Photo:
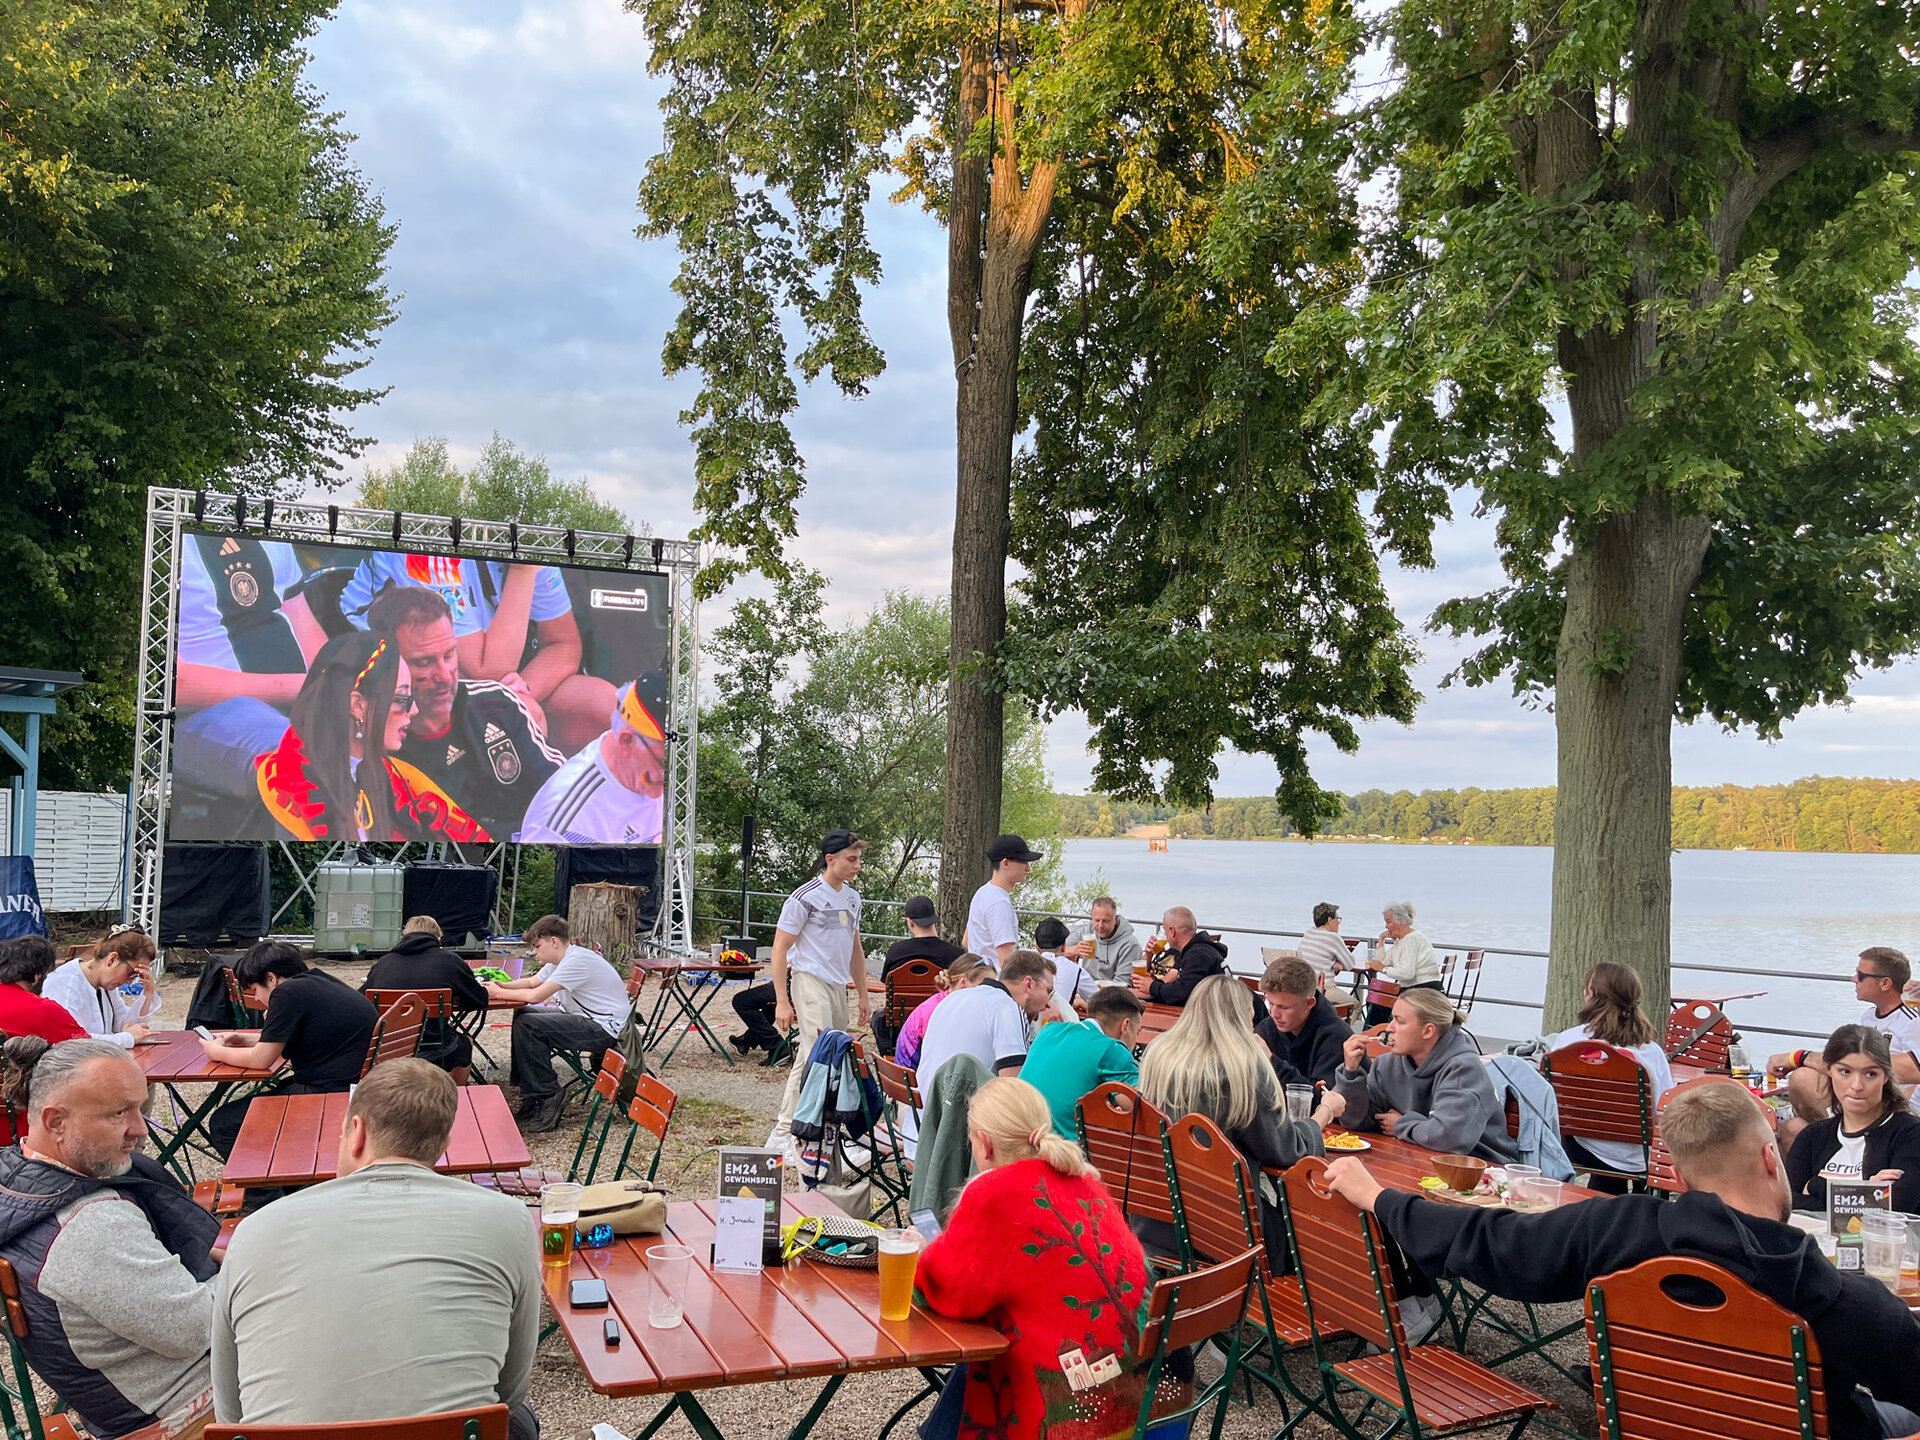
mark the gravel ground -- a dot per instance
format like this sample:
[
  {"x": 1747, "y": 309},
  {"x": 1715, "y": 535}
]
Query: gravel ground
[{"x": 721, "y": 1104}]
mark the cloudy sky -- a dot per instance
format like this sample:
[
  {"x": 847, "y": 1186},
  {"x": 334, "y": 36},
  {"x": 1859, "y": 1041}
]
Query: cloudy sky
[{"x": 507, "y": 141}]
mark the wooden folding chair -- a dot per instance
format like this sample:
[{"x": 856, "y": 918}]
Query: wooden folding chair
[
  {"x": 396, "y": 1034},
  {"x": 20, "y": 1417},
  {"x": 1661, "y": 1172},
  {"x": 484, "y": 1422},
  {"x": 1126, "y": 1137},
  {"x": 1220, "y": 1215},
  {"x": 907, "y": 985},
  {"x": 601, "y": 1113},
  {"x": 1683, "y": 1347},
  {"x": 1468, "y": 989},
  {"x": 1699, "y": 1033},
  {"x": 899, "y": 1087},
  {"x": 1604, "y": 1094},
  {"x": 243, "y": 1018},
  {"x": 1191, "y": 1309},
  {"x": 887, "y": 1168},
  {"x": 1347, "y": 1285},
  {"x": 442, "y": 1017}
]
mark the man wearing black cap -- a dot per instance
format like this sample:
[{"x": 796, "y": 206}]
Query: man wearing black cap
[
  {"x": 816, "y": 957},
  {"x": 923, "y": 942},
  {"x": 993, "y": 930}
]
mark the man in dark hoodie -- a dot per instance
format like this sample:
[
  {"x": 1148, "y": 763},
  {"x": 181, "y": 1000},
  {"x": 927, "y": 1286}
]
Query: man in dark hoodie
[
  {"x": 1305, "y": 1034},
  {"x": 1195, "y": 956},
  {"x": 419, "y": 963},
  {"x": 111, "y": 1254},
  {"x": 1733, "y": 1214}
]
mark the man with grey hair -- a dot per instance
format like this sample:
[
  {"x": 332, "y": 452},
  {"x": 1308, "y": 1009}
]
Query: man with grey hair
[
  {"x": 1108, "y": 950},
  {"x": 111, "y": 1254},
  {"x": 1402, "y": 955},
  {"x": 1195, "y": 956}
]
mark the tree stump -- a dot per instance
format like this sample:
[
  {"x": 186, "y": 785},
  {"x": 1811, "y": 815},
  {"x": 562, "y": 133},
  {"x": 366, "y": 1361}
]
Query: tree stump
[{"x": 606, "y": 918}]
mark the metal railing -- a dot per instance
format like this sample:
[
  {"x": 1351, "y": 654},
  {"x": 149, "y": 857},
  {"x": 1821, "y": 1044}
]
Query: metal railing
[{"x": 1485, "y": 998}]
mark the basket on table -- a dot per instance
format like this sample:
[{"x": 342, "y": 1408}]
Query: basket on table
[{"x": 815, "y": 1236}]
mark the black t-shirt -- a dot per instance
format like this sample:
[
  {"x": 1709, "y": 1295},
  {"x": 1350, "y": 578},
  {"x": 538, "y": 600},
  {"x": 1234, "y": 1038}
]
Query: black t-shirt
[
  {"x": 325, "y": 1026},
  {"x": 920, "y": 947},
  {"x": 491, "y": 760}
]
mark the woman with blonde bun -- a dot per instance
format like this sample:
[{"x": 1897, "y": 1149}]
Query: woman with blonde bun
[{"x": 1037, "y": 1245}]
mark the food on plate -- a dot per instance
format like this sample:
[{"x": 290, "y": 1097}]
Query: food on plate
[{"x": 1346, "y": 1142}]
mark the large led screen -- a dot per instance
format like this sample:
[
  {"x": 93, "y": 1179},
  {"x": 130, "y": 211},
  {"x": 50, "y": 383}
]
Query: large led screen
[{"x": 332, "y": 692}]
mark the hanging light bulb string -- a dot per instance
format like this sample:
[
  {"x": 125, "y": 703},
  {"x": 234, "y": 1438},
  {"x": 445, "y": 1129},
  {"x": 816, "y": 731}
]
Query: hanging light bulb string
[{"x": 995, "y": 74}]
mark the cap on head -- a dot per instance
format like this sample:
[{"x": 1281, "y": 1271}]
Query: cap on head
[
  {"x": 1011, "y": 847},
  {"x": 834, "y": 841},
  {"x": 639, "y": 706},
  {"x": 921, "y": 910}
]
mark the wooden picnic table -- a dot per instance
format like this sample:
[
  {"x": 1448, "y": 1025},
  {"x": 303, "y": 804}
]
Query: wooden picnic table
[
  {"x": 291, "y": 1140},
  {"x": 789, "y": 1322},
  {"x": 1708, "y": 995},
  {"x": 173, "y": 1058},
  {"x": 1402, "y": 1165}
]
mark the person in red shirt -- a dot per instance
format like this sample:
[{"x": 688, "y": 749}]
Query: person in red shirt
[
  {"x": 25, "y": 964},
  {"x": 1038, "y": 1247}
]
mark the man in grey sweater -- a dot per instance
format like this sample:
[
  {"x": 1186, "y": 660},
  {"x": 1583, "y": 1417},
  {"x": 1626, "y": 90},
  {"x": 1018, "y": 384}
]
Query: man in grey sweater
[
  {"x": 1108, "y": 949},
  {"x": 387, "y": 1292}
]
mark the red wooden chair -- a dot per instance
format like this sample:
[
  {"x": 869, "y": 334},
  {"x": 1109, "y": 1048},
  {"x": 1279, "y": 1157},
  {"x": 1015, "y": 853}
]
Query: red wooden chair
[
  {"x": 1125, "y": 1138},
  {"x": 1604, "y": 1094},
  {"x": 396, "y": 1034},
  {"x": 887, "y": 1168},
  {"x": 485, "y": 1422},
  {"x": 601, "y": 1111},
  {"x": 1699, "y": 1033},
  {"x": 1191, "y": 1309},
  {"x": 1468, "y": 989},
  {"x": 1347, "y": 1285},
  {"x": 1682, "y": 1347},
  {"x": 907, "y": 985},
  {"x": 1661, "y": 1174}
]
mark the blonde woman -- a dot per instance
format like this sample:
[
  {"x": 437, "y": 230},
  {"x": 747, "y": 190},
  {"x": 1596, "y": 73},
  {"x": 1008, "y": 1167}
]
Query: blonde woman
[
  {"x": 1430, "y": 1088},
  {"x": 1038, "y": 1245},
  {"x": 1211, "y": 1063}
]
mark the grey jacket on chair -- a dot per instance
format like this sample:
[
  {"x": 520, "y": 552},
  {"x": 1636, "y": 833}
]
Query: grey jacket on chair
[{"x": 944, "y": 1160}]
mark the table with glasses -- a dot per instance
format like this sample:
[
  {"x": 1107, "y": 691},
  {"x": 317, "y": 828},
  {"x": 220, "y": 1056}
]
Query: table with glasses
[
  {"x": 172, "y": 1058},
  {"x": 289, "y": 1140},
  {"x": 792, "y": 1322}
]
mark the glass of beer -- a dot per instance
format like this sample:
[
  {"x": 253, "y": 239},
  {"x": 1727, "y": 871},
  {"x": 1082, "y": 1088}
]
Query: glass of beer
[
  {"x": 559, "y": 1213},
  {"x": 899, "y": 1255}
]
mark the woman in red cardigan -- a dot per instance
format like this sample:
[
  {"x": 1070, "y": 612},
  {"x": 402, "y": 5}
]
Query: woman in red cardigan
[{"x": 1039, "y": 1247}]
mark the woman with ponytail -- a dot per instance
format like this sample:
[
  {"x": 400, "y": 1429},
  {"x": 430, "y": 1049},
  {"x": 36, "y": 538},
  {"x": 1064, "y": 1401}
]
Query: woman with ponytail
[
  {"x": 1430, "y": 1088},
  {"x": 1038, "y": 1247}
]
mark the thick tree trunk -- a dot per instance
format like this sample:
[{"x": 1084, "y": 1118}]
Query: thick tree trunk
[
  {"x": 1617, "y": 677},
  {"x": 606, "y": 918}
]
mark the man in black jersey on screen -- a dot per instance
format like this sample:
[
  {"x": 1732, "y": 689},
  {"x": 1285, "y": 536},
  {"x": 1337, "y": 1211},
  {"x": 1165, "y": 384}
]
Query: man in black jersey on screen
[{"x": 478, "y": 740}]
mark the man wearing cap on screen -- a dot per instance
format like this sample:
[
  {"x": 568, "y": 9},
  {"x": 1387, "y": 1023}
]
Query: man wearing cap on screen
[
  {"x": 478, "y": 740},
  {"x": 610, "y": 793},
  {"x": 993, "y": 930}
]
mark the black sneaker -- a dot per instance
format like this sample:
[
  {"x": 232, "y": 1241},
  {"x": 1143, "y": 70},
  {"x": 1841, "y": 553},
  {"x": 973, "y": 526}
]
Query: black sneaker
[
  {"x": 742, "y": 1044},
  {"x": 548, "y": 1116},
  {"x": 529, "y": 1107}
]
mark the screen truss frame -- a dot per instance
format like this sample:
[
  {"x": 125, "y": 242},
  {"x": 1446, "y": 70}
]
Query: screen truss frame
[{"x": 171, "y": 512}]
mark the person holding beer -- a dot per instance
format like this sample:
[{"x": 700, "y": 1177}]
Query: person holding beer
[{"x": 1035, "y": 1207}]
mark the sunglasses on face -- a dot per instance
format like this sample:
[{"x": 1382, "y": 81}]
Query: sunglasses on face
[
  {"x": 402, "y": 701},
  {"x": 1860, "y": 975}
]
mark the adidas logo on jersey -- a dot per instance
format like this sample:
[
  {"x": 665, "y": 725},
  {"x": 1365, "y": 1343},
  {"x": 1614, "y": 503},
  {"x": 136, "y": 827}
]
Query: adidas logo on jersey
[
  {"x": 230, "y": 546},
  {"x": 494, "y": 734},
  {"x": 455, "y": 754}
]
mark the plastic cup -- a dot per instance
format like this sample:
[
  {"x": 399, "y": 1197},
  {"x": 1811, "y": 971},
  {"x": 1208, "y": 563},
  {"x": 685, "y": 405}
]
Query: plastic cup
[
  {"x": 1299, "y": 1102},
  {"x": 1512, "y": 1175},
  {"x": 1537, "y": 1192},
  {"x": 668, "y": 1267},
  {"x": 1910, "y": 1260},
  {"x": 899, "y": 1256},
  {"x": 1884, "y": 1241},
  {"x": 559, "y": 1213}
]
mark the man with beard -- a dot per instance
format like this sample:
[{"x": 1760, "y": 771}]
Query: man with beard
[
  {"x": 478, "y": 740},
  {"x": 111, "y": 1254}
]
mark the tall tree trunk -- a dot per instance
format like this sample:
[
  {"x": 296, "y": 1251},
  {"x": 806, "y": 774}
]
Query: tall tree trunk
[
  {"x": 986, "y": 311},
  {"x": 1617, "y": 678}
]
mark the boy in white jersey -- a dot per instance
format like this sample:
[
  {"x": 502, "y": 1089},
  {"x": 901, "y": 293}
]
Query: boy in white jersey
[
  {"x": 1879, "y": 977},
  {"x": 610, "y": 793},
  {"x": 816, "y": 956}
]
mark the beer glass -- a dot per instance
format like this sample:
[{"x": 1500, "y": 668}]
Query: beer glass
[
  {"x": 668, "y": 1267},
  {"x": 899, "y": 1255},
  {"x": 559, "y": 1213}
]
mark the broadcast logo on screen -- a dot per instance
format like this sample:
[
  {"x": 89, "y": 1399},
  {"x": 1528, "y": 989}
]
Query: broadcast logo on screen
[{"x": 619, "y": 599}]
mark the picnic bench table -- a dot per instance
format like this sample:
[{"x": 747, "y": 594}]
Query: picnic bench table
[
  {"x": 688, "y": 985},
  {"x": 173, "y": 1058},
  {"x": 289, "y": 1140},
  {"x": 788, "y": 1322}
]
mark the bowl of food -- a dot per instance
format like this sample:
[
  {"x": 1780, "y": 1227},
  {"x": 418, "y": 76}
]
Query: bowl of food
[{"x": 1461, "y": 1172}]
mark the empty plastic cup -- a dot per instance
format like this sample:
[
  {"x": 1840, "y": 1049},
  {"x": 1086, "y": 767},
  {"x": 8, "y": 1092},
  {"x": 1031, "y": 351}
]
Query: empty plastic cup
[
  {"x": 668, "y": 1268},
  {"x": 1537, "y": 1192},
  {"x": 1884, "y": 1241}
]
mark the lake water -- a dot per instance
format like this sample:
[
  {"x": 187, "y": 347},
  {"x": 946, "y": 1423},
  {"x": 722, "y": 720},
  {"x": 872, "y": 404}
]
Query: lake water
[{"x": 1768, "y": 909}]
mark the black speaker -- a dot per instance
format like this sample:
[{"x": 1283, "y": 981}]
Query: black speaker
[
  {"x": 460, "y": 897},
  {"x": 211, "y": 893}
]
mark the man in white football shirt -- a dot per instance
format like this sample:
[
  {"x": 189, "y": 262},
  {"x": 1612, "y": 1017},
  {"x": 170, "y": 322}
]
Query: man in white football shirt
[
  {"x": 1879, "y": 978},
  {"x": 817, "y": 955},
  {"x": 993, "y": 931},
  {"x": 610, "y": 793}
]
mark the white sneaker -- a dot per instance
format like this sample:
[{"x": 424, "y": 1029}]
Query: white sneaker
[
  {"x": 778, "y": 1137},
  {"x": 1420, "y": 1315}
]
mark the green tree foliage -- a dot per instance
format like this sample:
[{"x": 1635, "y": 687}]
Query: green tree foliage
[
  {"x": 1856, "y": 816},
  {"x": 190, "y": 270},
  {"x": 503, "y": 484},
  {"x": 812, "y": 728}
]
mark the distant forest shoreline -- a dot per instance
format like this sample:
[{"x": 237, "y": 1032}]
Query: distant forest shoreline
[{"x": 1817, "y": 814}]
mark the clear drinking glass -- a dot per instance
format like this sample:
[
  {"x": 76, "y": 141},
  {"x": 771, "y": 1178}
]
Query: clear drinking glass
[
  {"x": 668, "y": 1267},
  {"x": 559, "y": 1213},
  {"x": 1299, "y": 1102},
  {"x": 1910, "y": 1258},
  {"x": 1884, "y": 1241}
]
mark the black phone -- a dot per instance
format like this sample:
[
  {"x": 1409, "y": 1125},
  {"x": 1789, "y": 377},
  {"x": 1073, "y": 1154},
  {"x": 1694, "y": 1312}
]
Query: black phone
[
  {"x": 587, "y": 1294},
  {"x": 611, "y": 1330},
  {"x": 926, "y": 1223}
]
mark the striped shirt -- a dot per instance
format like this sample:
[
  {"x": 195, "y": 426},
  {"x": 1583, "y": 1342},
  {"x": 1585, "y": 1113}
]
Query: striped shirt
[
  {"x": 825, "y": 923},
  {"x": 1324, "y": 950},
  {"x": 583, "y": 803}
]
